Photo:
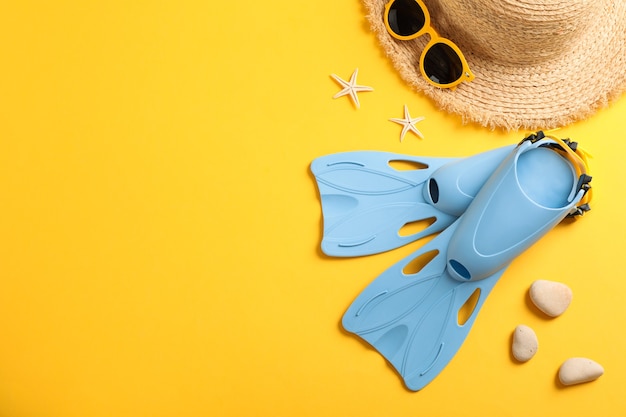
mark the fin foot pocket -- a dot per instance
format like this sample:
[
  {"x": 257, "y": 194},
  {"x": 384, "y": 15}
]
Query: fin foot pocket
[
  {"x": 546, "y": 177},
  {"x": 433, "y": 190},
  {"x": 458, "y": 268}
]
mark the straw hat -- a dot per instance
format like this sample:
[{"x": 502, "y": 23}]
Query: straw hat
[{"x": 538, "y": 63}]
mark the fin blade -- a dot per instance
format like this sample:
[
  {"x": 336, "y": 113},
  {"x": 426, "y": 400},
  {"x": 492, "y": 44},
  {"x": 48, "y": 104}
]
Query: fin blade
[
  {"x": 394, "y": 294},
  {"x": 378, "y": 229},
  {"x": 412, "y": 319},
  {"x": 438, "y": 335},
  {"x": 365, "y": 201}
]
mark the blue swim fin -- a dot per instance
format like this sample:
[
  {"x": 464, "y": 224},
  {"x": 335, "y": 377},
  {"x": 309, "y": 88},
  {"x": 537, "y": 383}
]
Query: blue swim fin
[
  {"x": 367, "y": 201},
  {"x": 412, "y": 317}
]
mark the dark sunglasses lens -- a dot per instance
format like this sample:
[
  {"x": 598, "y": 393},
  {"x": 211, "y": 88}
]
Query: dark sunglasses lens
[
  {"x": 442, "y": 64},
  {"x": 406, "y": 17}
]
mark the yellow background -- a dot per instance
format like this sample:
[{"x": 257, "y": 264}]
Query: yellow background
[{"x": 159, "y": 227}]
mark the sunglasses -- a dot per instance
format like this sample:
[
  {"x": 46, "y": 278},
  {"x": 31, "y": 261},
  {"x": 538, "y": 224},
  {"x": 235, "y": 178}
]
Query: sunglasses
[{"x": 442, "y": 63}]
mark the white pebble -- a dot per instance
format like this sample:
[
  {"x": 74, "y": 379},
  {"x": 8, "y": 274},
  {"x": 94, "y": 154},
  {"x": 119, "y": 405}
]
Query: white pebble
[
  {"x": 525, "y": 343},
  {"x": 551, "y": 297},
  {"x": 579, "y": 370}
]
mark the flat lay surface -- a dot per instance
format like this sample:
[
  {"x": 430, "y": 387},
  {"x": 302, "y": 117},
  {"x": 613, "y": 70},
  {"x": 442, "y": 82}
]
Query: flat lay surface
[{"x": 161, "y": 228}]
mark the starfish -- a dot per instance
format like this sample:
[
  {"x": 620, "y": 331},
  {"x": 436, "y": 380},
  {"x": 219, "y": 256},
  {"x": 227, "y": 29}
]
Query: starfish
[
  {"x": 408, "y": 123},
  {"x": 351, "y": 88}
]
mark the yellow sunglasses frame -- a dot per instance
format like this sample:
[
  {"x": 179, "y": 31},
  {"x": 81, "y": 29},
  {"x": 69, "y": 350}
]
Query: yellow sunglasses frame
[{"x": 467, "y": 75}]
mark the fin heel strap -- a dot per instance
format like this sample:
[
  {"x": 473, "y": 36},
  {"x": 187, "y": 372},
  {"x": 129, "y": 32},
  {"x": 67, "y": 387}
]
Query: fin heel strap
[{"x": 569, "y": 150}]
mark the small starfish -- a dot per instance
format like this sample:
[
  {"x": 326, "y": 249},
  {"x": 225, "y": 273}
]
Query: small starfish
[
  {"x": 408, "y": 123},
  {"x": 351, "y": 88}
]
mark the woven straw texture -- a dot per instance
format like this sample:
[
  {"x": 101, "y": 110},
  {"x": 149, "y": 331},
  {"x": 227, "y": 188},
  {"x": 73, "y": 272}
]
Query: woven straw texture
[{"x": 538, "y": 63}]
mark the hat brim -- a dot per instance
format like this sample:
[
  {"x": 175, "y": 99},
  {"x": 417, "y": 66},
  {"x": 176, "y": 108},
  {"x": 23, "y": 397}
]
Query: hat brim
[{"x": 545, "y": 94}]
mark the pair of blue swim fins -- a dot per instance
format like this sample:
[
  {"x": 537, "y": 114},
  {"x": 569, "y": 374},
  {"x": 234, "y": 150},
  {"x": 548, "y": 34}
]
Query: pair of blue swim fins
[{"x": 487, "y": 208}]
